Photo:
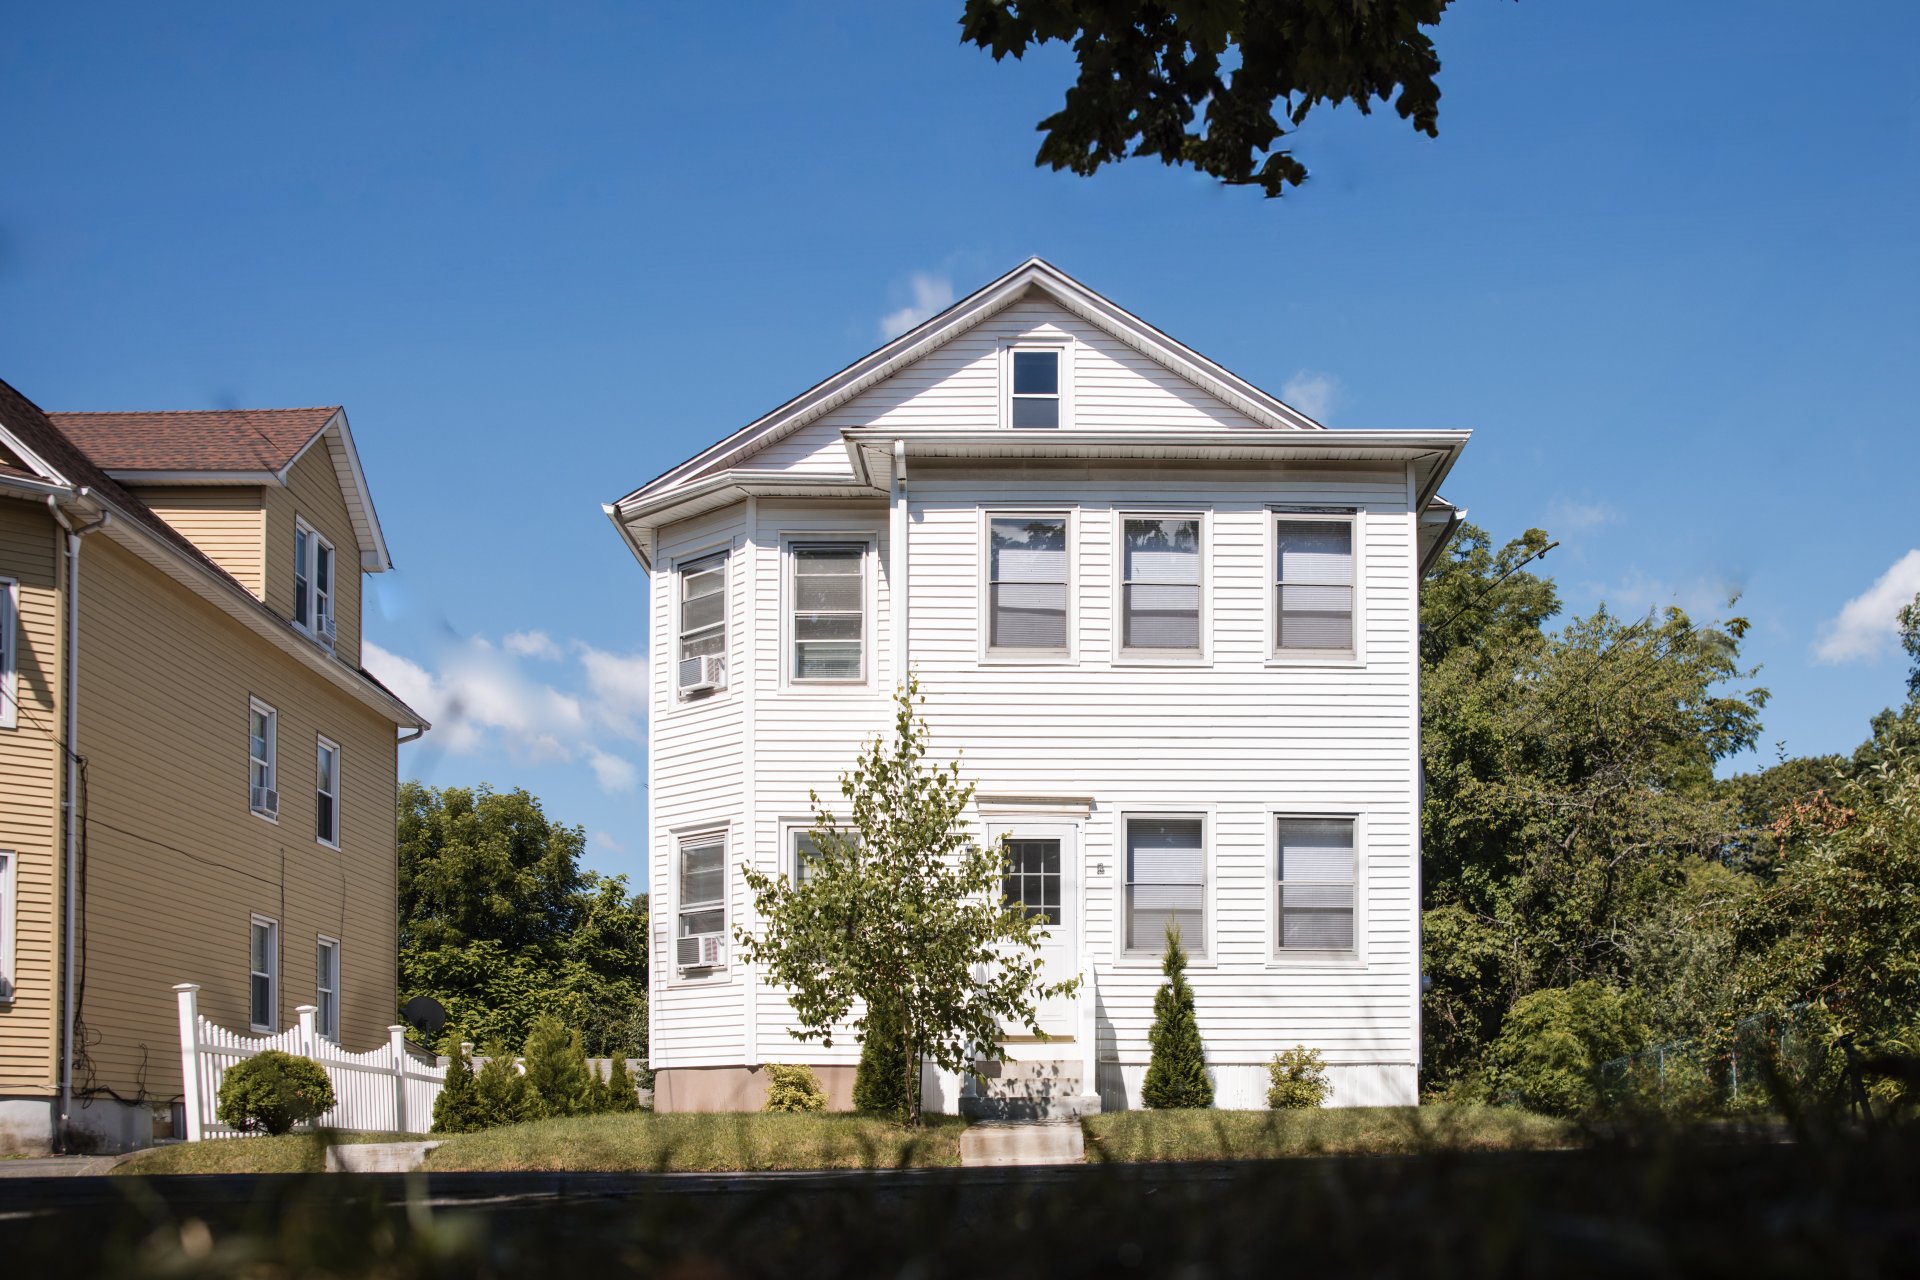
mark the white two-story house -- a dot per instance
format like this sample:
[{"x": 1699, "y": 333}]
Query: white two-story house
[{"x": 1170, "y": 622}]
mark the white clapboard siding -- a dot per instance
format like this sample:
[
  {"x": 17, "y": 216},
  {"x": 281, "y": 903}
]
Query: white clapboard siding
[
  {"x": 1113, "y": 388},
  {"x": 383, "y": 1090}
]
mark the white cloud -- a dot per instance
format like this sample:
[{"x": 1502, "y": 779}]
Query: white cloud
[
  {"x": 481, "y": 698},
  {"x": 1867, "y": 626},
  {"x": 619, "y": 685},
  {"x": 1567, "y": 516},
  {"x": 603, "y": 842},
  {"x": 1311, "y": 393},
  {"x": 531, "y": 644},
  {"x": 930, "y": 293}
]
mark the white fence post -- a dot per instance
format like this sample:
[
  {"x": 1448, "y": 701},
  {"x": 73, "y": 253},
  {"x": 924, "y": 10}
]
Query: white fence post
[
  {"x": 397, "y": 1035},
  {"x": 305, "y": 1013},
  {"x": 188, "y": 994}
]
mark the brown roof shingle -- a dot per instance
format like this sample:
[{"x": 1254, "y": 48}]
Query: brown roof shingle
[{"x": 195, "y": 439}]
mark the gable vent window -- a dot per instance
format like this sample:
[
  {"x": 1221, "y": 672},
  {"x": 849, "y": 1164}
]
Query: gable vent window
[
  {"x": 703, "y": 625},
  {"x": 1036, "y": 389},
  {"x": 1161, "y": 585},
  {"x": 1313, "y": 591},
  {"x": 313, "y": 583},
  {"x": 829, "y": 610},
  {"x": 1027, "y": 584},
  {"x": 701, "y": 939},
  {"x": 1314, "y": 890}
]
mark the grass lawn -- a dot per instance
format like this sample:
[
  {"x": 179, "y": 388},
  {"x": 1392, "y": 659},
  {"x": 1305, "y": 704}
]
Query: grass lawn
[
  {"x": 691, "y": 1143},
  {"x": 1265, "y": 1135},
  {"x": 293, "y": 1153}
]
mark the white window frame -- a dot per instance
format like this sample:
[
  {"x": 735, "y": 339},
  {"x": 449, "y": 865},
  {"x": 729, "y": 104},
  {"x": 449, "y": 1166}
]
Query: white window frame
[
  {"x": 321, "y": 621},
  {"x": 869, "y": 543},
  {"x": 988, "y": 653},
  {"x": 1279, "y": 657},
  {"x": 1199, "y": 957},
  {"x": 676, "y": 599},
  {"x": 322, "y": 746},
  {"x": 1124, "y": 656},
  {"x": 326, "y": 999},
  {"x": 9, "y": 654},
  {"x": 272, "y": 762},
  {"x": 9, "y": 920},
  {"x": 1279, "y": 956},
  {"x": 791, "y": 829},
  {"x": 1063, "y": 348},
  {"x": 701, "y": 837},
  {"x": 271, "y": 974}
]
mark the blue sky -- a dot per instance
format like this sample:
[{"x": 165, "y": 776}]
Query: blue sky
[{"x": 1661, "y": 259}]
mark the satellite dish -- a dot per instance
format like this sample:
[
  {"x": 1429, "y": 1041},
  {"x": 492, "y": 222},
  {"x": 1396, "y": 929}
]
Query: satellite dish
[{"x": 425, "y": 1013}]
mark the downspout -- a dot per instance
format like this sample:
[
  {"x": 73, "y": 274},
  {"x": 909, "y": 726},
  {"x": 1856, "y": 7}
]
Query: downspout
[
  {"x": 70, "y": 665},
  {"x": 897, "y": 564}
]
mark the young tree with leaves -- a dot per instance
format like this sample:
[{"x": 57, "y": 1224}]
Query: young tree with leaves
[
  {"x": 1177, "y": 1066},
  {"x": 558, "y": 1079},
  {"x": 902, "y": 912}
]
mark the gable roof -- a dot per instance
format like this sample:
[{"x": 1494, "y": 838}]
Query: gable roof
[
  {"x": 1035, "y": 275},
  {"x": 230, "y": 446},
  {"x": 59, "y": 469},
  {"x": 196, "y": 440}
]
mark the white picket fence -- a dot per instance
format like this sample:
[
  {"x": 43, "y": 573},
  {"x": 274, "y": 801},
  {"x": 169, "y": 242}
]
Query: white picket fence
[{"x": 382, "y": 1090}]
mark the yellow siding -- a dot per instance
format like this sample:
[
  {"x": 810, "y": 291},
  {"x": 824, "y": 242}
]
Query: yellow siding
[
  {"x": 225, "y": 523},
  {"x": 313, "y": 494},
  {"x": 177, "y": 863},
  {"x": 30, "y": 797}
]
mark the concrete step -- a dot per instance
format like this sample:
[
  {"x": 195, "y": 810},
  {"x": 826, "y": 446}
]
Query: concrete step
[
  {"x": 1029, "y": 1090},
  {"x": 991, "y": 1144}
]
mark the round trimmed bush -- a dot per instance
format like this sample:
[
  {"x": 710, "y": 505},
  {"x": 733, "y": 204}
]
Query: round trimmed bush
[
  {"x": 793, "y": 1088},
  {"x": 273, "y": 1091},
  {"x": 1298, "y": 1079}
]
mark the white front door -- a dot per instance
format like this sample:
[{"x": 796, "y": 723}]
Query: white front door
[{"x": 1042, "y": 878}]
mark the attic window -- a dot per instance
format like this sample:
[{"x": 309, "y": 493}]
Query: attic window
[{"x": 1035, "y": 400}]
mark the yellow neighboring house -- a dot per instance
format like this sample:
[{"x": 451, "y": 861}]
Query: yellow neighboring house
[{"x": 180, "y": 671}]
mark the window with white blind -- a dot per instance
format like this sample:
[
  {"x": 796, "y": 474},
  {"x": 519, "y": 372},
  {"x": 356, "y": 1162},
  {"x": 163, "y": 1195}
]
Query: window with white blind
[
  {"x": 263, "y": 759},
  {"x": 1027, "y": 584},
  {"x": 1166, "y": 883},
  {"x": 702, "y": 665},
  {"x": 700, "y": 936},
  {"x": 263, "y": 996},
  {"x": 9, "y": 662},
  {"x": 1314, "y": 884},
  {"x": 1313, "y": 585},
  {"x": 828, "y": 601},
  {"x": 7, "y": 926},
  {"x": 1160, "y": 584},
  {"x": 326, "y": 798},
  {"x": 326, "y": 989}
]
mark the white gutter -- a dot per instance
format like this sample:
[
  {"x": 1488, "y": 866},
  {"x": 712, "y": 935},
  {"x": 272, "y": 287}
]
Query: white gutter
[
  {"x": 897, "y": 565},
  {"x": 69, "y": 808}
]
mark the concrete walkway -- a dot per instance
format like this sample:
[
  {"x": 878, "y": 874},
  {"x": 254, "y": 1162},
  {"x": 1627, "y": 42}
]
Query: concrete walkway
[
  {"x": 377, "y": 1157},
  {"x": 1006, "y": 1142},
  {"x": 57, "y": 1166}
]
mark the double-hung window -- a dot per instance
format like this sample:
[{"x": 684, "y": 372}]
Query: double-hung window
[
  {"x": 313, "y": 582},
  {"x": 827, "y": 592},
  {"x": 326, "y": 989},
  {"x": 263, "y": 997},
  {"x": 1314, "y": 884},
  {"x": 1027, "y": 584},
  {"x": 1160, "y": 584},
  {"x": 1034, "y": 398},
  {"x": 326, "y": 799},
  {"x": 9, "y": 659},
  {"x": 7, "y": 925},
  {"x": 263, "y": 750},
  {"x": 703, "y": 625},
  {"x": 1313, "y": 586},
  {"x": 700, "y": 940},
  {"x": 1166, "y": 883}
]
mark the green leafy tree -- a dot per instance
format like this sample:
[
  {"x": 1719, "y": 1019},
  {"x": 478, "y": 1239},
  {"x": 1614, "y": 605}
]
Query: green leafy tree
[
  {"x": 500, "y": 924},
  {"x": 1910, "y": 641},
  {"x": 559, "y": 1082},
  {"x": 1554, "y": 1043},
  {"x": 793, "y": 1088},
  {"x": 457, "y": 1109},
  {"x": 902, "y": 912},
  {"x": 273, "y": 1091},
  {"x": 621, "y": 1093},
  {"x": 502, "y": 1090},
  {"x": 880, "y": 1082},
  {"x": 1177, "y": 1064},
  {"x": 1216, "y": 84}
]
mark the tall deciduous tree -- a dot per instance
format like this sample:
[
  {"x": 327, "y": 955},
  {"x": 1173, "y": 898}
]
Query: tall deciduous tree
[
  {"x": 902, "y": 912},
  {"x": 1216, "y": 84}
]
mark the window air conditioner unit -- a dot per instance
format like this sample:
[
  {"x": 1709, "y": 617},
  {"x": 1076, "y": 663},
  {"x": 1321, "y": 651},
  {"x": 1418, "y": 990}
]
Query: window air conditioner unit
[
  {"x": 265, "y": 800},
  {"x": 699, "y": 675},
  {"x": 700, "y": 950},
  {"x": 329, "y": 629}
]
